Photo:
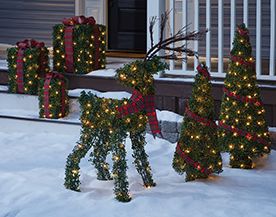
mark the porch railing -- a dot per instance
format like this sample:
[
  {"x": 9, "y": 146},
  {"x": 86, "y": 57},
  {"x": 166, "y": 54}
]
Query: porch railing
[{"x": 156, "y": 7}]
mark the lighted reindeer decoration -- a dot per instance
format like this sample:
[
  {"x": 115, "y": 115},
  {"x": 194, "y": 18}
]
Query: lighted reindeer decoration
[{"x": 107, "y": 122}]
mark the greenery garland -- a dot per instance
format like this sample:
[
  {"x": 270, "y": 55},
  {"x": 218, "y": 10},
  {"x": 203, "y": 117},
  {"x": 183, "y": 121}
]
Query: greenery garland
[
  {"x": 57, "y": 90},
  {"x": 83, "y": 45},
  {"x": 105, "y": 132},
  {"x": 243, "y": 129},
  {"x": 35, "y": 65},
  {"x": 197, "y": 153}
]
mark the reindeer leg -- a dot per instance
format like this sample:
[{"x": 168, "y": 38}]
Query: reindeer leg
[
  {"x": 98, "y": 157},
  {"x": 141, "y": 158},
  {"x": 72, "y": 164},
  {"x": 120, "y": 168}
]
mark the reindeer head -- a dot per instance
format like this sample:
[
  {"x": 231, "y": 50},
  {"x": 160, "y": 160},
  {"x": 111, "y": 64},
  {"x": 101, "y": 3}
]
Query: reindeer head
[{"x": 139, "y": 74}]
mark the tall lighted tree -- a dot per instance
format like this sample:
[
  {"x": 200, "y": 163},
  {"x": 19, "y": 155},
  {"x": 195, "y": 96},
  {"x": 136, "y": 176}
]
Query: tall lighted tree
[
  {"x": 197, "y": 152},
  {"x": 243, "y": 129}
]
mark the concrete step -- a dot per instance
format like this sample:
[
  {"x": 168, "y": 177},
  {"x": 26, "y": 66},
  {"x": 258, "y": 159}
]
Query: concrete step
[{"x": 23, "y": 110}]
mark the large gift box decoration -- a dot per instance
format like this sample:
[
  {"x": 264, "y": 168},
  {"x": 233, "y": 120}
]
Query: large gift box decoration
[
  {"x": 53, "y": 96},
  {"x": 79, "y": 45},
  {"x": 27, "y": 62}
]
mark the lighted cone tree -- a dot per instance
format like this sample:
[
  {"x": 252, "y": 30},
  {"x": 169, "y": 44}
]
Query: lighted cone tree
[
  {"x": 243, "y": 129},
  {"x": 197, "y": 152}
]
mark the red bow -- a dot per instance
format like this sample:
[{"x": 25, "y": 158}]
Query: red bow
[
  {"x": 49, "y": 76},
  {"x": 138, "y": 102},
  {"x": 79, "y": 20},
  {"x": 203, "y": 70},
  {"x": 29, "y": 44},
  {"x": 243, "y": 32}
]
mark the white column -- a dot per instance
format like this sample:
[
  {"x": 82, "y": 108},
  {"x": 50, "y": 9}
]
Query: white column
[
  {"x": 272, "y": 38},
  {"x": 208, "y": 34},
  {"x": 245, "y": 12},
  {"x": 258, "y": 36},
  {"x": 220, "y": 36},
  {"x": 233, "y": 22},
  {"x": 196, "y": 28}
]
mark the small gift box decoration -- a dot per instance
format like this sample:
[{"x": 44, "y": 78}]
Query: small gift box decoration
[
  {"x": 26, "y": 63},
  {"x": 79, "y": 45},
  {"x": 53, "y": 96}
]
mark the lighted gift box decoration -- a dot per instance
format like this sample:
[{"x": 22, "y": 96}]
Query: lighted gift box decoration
[
  {"x": 79, "y": 45},
  {"x": 53, "y": 96},
  {"x": 27, "y": 61}
]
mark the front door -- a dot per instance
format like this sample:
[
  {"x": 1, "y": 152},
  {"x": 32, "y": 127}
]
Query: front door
[{"x": 127, "y": 24}]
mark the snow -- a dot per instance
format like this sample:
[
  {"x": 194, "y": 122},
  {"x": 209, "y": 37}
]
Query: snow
[
  {"x": 168, "y": 116},
  {"x": 103, "y": 72},
  {"x": 3, "y": 64},
  {"x": 32, "y": 174},
  {"x": 113, "y": 95},
  {"x": 4, "y": 88}
]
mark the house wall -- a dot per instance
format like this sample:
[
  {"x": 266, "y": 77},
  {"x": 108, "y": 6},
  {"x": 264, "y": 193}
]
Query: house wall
[{"x": 20, "y": 19}]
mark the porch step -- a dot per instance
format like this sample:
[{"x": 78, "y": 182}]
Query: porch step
[{"x": 19, "y": 111}]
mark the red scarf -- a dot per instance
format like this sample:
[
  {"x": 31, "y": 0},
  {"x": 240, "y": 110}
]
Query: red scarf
[
  {"x": 48, "y": 78},
  {"x": 138, "y": 103}
]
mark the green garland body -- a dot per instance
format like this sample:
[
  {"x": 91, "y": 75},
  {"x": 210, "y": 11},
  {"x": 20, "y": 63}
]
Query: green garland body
[
  {"x": 198, "y": 141},
  {"x": 245, "y": 116},
  {"x": 54, "y": 99},
  {"x": 103, "y": 130},
  {"x": 35, "y": 66},
  {"x": 83, "y": 46}
]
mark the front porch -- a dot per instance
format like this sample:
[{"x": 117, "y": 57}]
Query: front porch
[{"x": 171, "y": 92}]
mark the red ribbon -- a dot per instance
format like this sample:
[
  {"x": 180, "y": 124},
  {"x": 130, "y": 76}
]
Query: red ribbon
[
  {"x": 244, "y": 99},
  {"x": 69, "y": 50},
  {"x": 242, "y": 61},
  {"x": 138, "y": 103},
  {"x": 192, "y": 162},
  {"x": 249, "y": 136},
  {"x": 48, "y": 78},
  {"x": 203, "y": 70},
  {"x": 68, "y": 35},
  {"x": 197, "y": 118},
  {"x": 97, "y": 43},
  {"x": 22, "y": 45}
]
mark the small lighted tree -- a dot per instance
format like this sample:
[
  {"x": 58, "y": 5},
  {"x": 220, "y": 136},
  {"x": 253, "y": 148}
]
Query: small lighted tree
[
  {"x": 243, "y": 129},
  {"x": 197, "y": 152}
]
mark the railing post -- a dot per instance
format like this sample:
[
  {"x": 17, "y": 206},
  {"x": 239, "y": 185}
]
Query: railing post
[
  {"x": 172, "y": 28},
  {"x": 184, "y": 23},
  {"x": 208, "y": 34},
  {"x": 220, "y": 36},
  {"x": 196, "y": 28},
  {"x": 258, "y": 36},
  {"x": 154, "y": 8},
  {"x": 233, "y": 22},
  {"x": 272, "y": 38},
  {"x": 245, "y": 12}
]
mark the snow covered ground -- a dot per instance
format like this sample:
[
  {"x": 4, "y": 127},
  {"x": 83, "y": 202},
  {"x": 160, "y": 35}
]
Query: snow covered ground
[{"x": 32, "y": 174}]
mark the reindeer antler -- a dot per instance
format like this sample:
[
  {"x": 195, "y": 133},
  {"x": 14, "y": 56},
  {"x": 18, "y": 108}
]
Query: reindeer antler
[{"x": 164, "y": 44}]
